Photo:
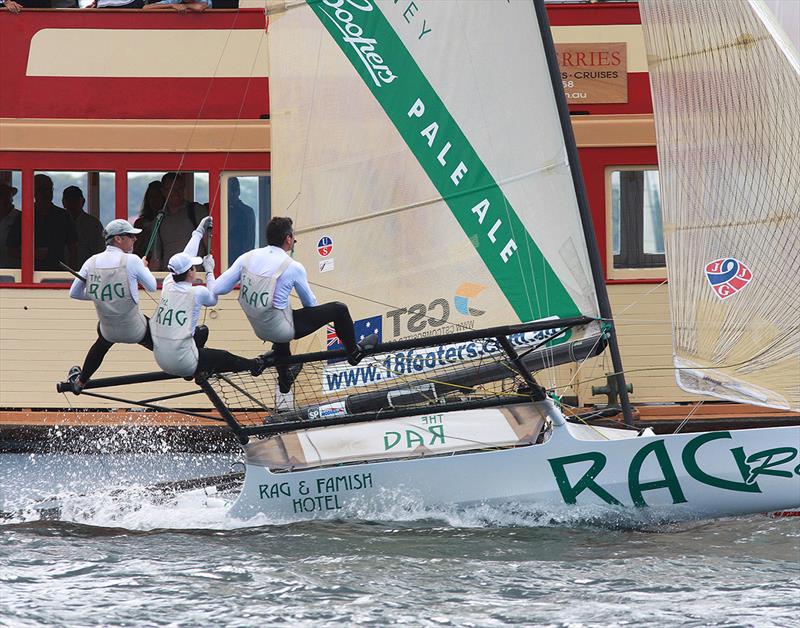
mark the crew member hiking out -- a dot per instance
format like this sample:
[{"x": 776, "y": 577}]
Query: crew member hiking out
[
  {"x": 179, "y": 342},
  {"x": 267, "y": 277},
  {"x": 111, "y": 281}
]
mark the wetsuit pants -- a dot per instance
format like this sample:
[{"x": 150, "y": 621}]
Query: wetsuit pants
[
  {"x": 307, "y": 320},
  {"x": 217, "y": 360}
]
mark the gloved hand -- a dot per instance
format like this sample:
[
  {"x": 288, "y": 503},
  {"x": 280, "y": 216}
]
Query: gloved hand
[
  {"x": 205, "y": 225},
  {"x": 208, "y": 263}
]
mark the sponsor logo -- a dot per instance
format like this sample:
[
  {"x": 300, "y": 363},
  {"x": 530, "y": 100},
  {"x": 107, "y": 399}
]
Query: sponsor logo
[
  {"x": 329, "y": 410},
  {"x": 463, "y": 294},
  {"x": 744, "y": 470},
  {"x": 343, "y": 15},
  {"x": 414, "y": 362},
  {"x": 414, "y": 320},
  {"x": 325, "y": 246},
  {"x": 727, "y": 276}
]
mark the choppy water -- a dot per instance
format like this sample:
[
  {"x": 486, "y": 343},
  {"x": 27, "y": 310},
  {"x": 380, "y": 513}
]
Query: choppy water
[{"x": 129, "y": 558}]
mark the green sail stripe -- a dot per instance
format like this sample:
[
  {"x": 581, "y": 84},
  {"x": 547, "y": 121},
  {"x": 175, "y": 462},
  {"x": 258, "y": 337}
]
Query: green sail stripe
[{"x": 388, "y": 69}]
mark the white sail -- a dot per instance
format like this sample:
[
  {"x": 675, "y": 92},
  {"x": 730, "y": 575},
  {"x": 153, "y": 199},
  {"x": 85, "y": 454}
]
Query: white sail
[
  {"x": 447, "y": 204},
  {"x": 726, "y": 95}
]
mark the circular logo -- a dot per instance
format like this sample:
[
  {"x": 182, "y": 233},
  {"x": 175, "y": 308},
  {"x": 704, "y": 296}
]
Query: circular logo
[{"x": 325, "y": 246}]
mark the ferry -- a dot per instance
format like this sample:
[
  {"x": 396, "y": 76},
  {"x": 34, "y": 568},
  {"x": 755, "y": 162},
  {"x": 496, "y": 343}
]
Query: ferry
[{"x": 111, "y": 100}]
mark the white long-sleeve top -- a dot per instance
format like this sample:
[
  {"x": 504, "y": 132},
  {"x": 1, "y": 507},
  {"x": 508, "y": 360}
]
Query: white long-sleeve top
[
  {"x": 138, "y": 273},
  {"x": 266, "y": 261},
  {"x": 203, "y": 295}
]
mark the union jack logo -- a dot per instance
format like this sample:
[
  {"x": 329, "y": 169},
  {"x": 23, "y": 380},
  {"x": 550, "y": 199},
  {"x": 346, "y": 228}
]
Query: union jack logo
[
  {"x": 333, "y": 340},
  {"x": 727, "y": 276}
]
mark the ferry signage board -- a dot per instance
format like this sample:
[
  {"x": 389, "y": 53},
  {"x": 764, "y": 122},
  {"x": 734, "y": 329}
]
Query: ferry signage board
[{"x": 594, "y": 72}]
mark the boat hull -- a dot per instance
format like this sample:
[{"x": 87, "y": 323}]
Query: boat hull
[{"x": 656, "y": 478}]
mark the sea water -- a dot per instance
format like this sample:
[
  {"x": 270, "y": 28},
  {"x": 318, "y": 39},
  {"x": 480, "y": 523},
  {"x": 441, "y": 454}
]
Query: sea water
[{"x": 119, "y": 555}]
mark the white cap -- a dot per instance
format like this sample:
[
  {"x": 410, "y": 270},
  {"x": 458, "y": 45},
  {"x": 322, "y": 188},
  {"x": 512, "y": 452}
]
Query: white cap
[
  {"x": 119, "y": 227},
  {"x": 181, "y": 262}
]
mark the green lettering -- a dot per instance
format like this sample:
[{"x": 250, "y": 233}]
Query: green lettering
[
  {"x": 119, "y": 290},
  {"x": 180, "y": 317},
  {"x": 167, "y": 319},
  {"x": 413, "y": 439},
  {"x": 395, "y": 435},
  {"x": 765, "y": 468},
  {"x": 570, "y": 493},
  {"x": 437, "y": 431},
  {"x": 93, "y": 290},
  {"x": 264, "y": 298},
  {"x": 105, "y": 293},
  {"x": 670, "y": 481},
  {"x": 689, "y": 456}
]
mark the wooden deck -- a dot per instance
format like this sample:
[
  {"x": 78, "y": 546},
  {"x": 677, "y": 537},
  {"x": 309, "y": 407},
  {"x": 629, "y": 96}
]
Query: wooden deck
[{"x": 82, "y": 431}]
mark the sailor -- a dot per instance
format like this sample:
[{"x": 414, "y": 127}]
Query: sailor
[
  {"x": 112, "y": 281},
  {"x": 267, "y": 277},
  {"x": 179, "y": 343}
]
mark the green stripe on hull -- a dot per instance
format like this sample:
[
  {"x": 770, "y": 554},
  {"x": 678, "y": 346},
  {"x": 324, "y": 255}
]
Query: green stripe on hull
[{"x": 442, "y": 149}]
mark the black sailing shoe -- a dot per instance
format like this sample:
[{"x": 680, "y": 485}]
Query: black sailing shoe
[
  {"x": 261, "y": 362},
  {"x": 74, "y": 379},
  {"x": 363, "y": 345}
]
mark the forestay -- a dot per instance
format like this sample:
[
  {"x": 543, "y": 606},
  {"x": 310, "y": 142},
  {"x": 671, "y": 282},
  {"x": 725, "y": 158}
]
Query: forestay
[
  {"x": 726, "y": 94},
  {"x": 420, "y": 153}
]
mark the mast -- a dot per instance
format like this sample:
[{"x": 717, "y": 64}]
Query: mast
[{"x": 583, "y": 206}]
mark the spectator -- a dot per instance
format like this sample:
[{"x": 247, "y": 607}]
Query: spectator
[
  {"x": 177, "y": 5},
  {"x": 8, "y": 215},
  {"x": 241, "y": 223},
  {"x": 12, "y": 6},
  {"x": 55, "y": 239},
  {"x": 152, "y": 203},
  {"x": 181, "y": 217},
  {"x": 115, "y": 4},
  {"x": 88, "y": 228}
]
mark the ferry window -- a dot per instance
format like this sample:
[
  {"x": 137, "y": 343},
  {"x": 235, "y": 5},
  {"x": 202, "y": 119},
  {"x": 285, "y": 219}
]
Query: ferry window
[
  {"x": 637, "y": 230},
  {"x": 248, "y": 212},
  {"x": 67, "y": 228},
  {"x": 185, "y": 200},
  {"x": 10, "y": 212}
]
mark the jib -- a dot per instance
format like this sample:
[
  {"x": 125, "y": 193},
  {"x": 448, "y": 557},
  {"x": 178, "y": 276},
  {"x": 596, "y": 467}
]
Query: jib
[{"x": 109, "y": 292}]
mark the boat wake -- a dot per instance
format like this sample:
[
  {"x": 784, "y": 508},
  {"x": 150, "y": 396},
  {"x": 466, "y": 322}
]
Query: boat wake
[{"x": 141, "y": 508}]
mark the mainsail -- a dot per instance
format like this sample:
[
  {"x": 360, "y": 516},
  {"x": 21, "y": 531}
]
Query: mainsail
[
  {"x": 725, "y": 78},
  {"x": 420, "y": 153}
]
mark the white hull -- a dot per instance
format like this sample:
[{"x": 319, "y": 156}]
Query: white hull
[{"x": 678, "y": 477}]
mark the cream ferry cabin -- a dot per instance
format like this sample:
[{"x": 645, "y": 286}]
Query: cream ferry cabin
[{"x": 109, "y": 101}]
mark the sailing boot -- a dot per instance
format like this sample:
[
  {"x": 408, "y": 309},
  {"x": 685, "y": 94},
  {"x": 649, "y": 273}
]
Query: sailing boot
[
  {"x": 261, "y": 362},
  {"x": 287, "y": 375},
  {"x": 74, "y": 379},
  {"x": 362, "y": 346}
]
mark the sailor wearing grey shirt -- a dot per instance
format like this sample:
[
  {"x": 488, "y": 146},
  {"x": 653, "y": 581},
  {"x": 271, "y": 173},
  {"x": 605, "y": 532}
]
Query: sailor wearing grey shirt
[
  {"x": 111, "y": 281},
  {"x": 178, "y": 342},
  {"x": 267, "y": 277}
]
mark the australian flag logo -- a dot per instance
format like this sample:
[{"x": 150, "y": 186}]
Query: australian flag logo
[
  {"x": 727, "y": 276},
  {"x": 362, "y": 327}
]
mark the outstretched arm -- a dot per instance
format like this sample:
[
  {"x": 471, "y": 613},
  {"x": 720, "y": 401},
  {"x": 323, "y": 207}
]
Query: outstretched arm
[
  {"x": 193, "y": 245},
  {"x": 78, "y": 288},
  {"x": 227, "y": 281}
]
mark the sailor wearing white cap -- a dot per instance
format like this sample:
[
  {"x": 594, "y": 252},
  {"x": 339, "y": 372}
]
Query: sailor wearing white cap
[
  {"x": 177, "y": 348},
  {"x": 112, "y": 281}
]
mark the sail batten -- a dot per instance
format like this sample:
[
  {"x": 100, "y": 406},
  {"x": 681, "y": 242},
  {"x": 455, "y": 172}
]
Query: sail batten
[{"x": 726, "y": 96}]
